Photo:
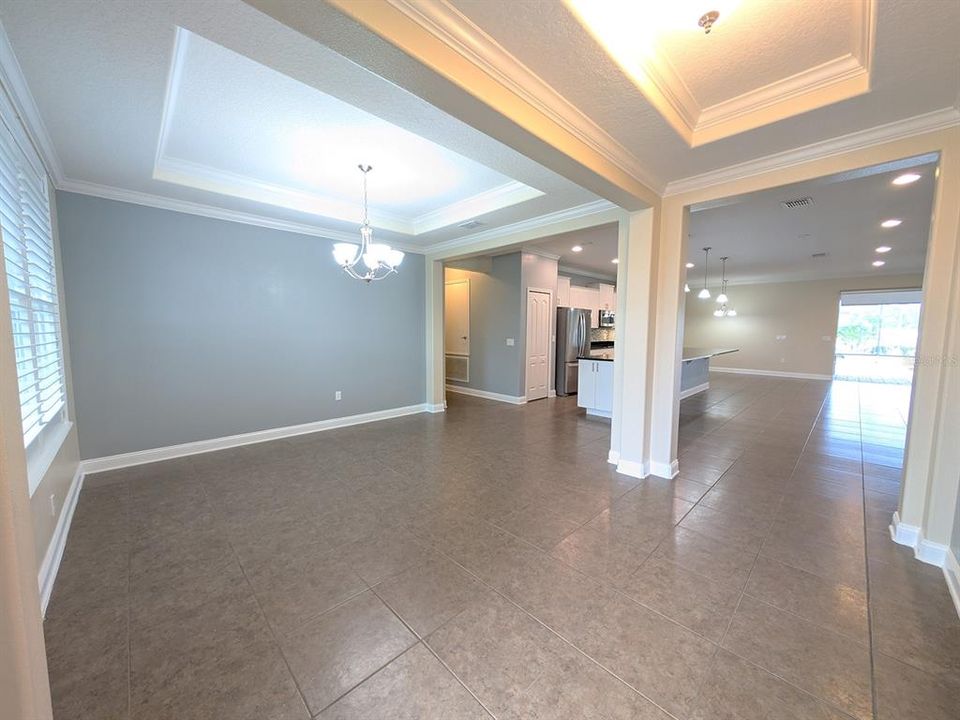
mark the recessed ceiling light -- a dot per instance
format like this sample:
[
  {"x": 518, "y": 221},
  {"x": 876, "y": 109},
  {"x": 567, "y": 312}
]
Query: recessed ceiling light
[
  {"x": 689, "y": 265},
  {"x": 576, "y": 248},
  {"x": 883, "y": 249},
  {"x": 906, "y": 179},
  {"x": 615, "y": 261},
  {"x": 879, "y": 263},
  {"x": 892, "y": 222}
]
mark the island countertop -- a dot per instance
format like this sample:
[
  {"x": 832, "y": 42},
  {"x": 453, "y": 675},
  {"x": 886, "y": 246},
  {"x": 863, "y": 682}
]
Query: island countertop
[
  {"x": 695, "y": 353},
  {"x": 599, "y": 355}
]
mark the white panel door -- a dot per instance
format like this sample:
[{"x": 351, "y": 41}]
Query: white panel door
[
  {"x": 456, "y": 318},
  {"x": 538, "y": 344}
]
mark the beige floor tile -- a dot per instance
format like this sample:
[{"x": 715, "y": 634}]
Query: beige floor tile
[
  {"x": 837, "y": 607},
  {"x": 537, "y": 526},
  {"x": 519, "y": 669},
  {"x": 693, "y": 600},
  {"x": 727, "y": 564},
  {"x": 415, "y": 686},
  {"x": 431, "y": 593},
  {"x": 738, "y": 690},
  {"x": 904, "y": 692},
  {"x": 742, "y": 531},
  {"x": 338, "y": 650},
  {"x": 827, "y": 665}
]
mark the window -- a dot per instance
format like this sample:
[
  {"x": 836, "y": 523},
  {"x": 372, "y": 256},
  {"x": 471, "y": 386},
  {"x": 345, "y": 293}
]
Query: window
[
  {"x": 28, "y": 254},
  {"x": 877, "y": 335}
]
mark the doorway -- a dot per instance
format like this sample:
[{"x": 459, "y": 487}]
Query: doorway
[
  {"x": 537, "y": 382},
  {"x": 877, "y": 336},
  {"x": 456, "y": 330}
]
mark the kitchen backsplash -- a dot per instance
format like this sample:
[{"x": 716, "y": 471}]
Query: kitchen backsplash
[{"x": 597, "y": 334}]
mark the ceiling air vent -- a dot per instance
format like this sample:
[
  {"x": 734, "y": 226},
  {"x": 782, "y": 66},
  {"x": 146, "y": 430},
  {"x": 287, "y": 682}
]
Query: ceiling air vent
[
  {"x": 819, "y": 255},
  {"x": 797, "y": 203},
  {"x": 470, "y": 224}
]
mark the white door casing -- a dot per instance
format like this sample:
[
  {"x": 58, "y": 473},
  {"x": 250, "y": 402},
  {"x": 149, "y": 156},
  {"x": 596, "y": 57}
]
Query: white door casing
[
  {"x": 539, "y": 304},
  {"x": 456, "y": 318}
]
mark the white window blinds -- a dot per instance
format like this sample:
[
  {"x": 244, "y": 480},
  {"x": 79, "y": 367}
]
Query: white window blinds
[{"x": 32, "y": 282}]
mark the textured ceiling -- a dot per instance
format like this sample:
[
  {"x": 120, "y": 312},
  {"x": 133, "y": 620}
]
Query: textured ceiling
[
  {"x": 107, "y": 62},
  {"x": 766, "y": 241},
  {"x": 916, "y": 70}
]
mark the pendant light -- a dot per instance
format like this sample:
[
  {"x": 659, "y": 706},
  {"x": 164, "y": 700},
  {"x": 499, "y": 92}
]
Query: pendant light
[
  {"x": 704, "y": 294},
  {"x": 380, "y": 260},
  {"x": 722, "y": 297}
]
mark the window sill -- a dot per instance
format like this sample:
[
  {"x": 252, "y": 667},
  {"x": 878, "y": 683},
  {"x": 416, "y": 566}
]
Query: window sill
[{"x": 40, "y": 456}]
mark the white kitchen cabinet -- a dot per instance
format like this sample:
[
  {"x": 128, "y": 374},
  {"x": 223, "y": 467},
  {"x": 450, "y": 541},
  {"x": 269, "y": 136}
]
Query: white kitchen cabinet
[
  {"x": 595, "y": 387},
  {"x": 607, "y": 297},
  {"x": 587, "y": 298},
  {"x": 563, "y": 292}
]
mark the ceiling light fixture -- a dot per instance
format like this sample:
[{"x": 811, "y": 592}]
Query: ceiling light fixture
[
  {"x": 879, "y": 263},
  {"x": 891, "y": 223},
  {"x": 615, "y": 261},
  {"x": 705, "y": 294},
  {"x": 722, "y": 297},
  {"x": 906, "y": 179},
  {"x": 690, "y": 265},
  {"x": 707, "y": 20},
  {"x": 576, "y": 248},
  {"x": 884, "y": 249},
  {"x": 380, "y": 260},
  {"x": 686, "y": 287}
]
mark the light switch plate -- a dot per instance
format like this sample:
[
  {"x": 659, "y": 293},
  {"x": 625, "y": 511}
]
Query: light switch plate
[{"x": 509, "y": 342}]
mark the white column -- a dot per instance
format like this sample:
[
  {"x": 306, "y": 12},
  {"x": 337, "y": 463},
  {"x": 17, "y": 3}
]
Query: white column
[
  {"x": 636, "y": 295},
  {"x": 668, "y": 339}
]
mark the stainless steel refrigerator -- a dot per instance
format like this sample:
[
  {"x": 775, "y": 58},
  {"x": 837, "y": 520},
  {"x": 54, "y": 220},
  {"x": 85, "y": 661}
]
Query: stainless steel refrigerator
[{"x": 573, "y": 341}]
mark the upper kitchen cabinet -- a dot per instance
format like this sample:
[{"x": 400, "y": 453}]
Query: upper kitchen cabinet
[
  {"x": 607, "y": 297},
  {"x": 563, "y": 291}
]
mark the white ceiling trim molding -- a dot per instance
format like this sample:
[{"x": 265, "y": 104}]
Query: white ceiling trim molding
[
  {"x": 603, "y": 210},
  {"x": 776, "y": 278},
  {"x": 224, "y": 182},
  {"x": 802, "y": 92},
  {"x": 191, "y": 208},
  {"x": 917, "y": 125},
  {"x": 497, "y": 198},
  {"x": 15, "y": 85},
  {"x": 570, "y": 270},
  {"x": 458, "y": 32}
]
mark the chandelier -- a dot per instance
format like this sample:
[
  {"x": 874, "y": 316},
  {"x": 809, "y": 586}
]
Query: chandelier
[{"x": 379, "y": 260}]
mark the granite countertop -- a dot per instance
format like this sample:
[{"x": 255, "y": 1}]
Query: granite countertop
[
  {"x": 695, "y": 353},
  {"x": 598, "y": 355}
]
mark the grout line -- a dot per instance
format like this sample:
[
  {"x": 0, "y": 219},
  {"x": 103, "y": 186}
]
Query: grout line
[
  {"x": 253, "y": 594},
  {"x": 423, "y": 640}
]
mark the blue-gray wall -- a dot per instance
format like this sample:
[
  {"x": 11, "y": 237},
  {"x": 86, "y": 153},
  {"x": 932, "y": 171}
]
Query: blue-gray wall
[
  {"x": 494, "y": 317},
  {"x": 186, "y": 328}
]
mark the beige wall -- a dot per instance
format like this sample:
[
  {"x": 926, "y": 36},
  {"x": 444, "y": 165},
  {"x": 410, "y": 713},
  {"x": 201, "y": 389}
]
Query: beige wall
[{"x": 805, "y": 312}]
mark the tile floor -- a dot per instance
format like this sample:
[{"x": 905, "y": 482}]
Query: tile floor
[{"x": 488, "y": 562}]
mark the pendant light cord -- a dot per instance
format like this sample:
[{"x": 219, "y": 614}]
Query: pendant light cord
[{"x": 706, "y": 262}]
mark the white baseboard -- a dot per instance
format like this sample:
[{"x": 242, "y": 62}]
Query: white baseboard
[
  {"x": 684, "y": 394},
  {"x": 486, "y": 395},
  {"x": 924, "y": 550},
  {"x": 771, "y": 373},
  {"x": 613, "y": 457},
  {"x": 552, "y": 393},
  {"x": 633, "y": 468},
  {"x": 951, "y": 571},
  {"x": 599, "y": 413},
  {"x": 435, "y": 407},
  {"x": 54, "y": 554},
  {"x": 665, "y": 470},
  {"x": 142, "y": 457}
]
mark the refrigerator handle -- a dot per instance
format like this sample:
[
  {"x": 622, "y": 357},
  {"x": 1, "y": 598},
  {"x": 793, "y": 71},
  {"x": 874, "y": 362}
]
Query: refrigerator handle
[{"x": 579, "y": 333}]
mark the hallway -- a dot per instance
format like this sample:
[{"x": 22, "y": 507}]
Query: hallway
[{"x": 489, "y": 562}]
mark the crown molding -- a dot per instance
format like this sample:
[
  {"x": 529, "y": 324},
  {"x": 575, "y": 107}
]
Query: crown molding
[
  {"x": 578, "y": 212},
  {"x": 570, "y": 270},
  {"x": 459, "y": 33},
  {"x": 496, "y": 198},
  {"x": 15, "y": 84},
  {"x": 108, "y": 192},
  {"x": 917, "y": 125},
  {"x": 530, "y": 250}
]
